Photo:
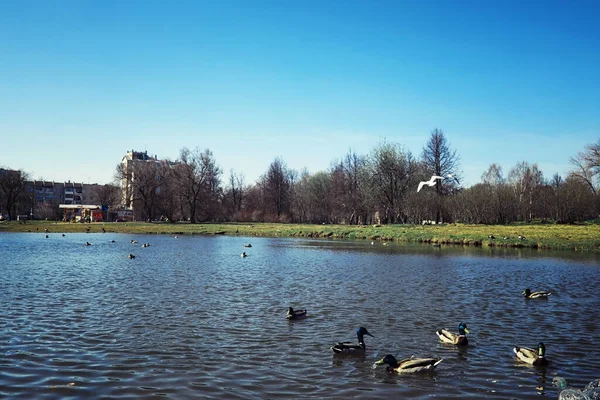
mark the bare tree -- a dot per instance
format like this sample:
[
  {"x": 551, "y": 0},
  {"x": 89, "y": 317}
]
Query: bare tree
[
  {"x": 350, "y": 187},
  {"x": 109, "y": 195},
  {"x": 277, "y": 188},
  {"x": 391, "y": 168},
  {"x": 235, "y": 191},
  {"x": 526, "y": 181},
  {"x": 12, "y": 186},
  {"x": 440, "y": 160},
  {"x": 199, "y": 180}
]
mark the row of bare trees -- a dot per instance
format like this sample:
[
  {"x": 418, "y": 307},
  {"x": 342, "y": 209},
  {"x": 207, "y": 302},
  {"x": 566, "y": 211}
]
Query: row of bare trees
[{"x": 379, "y": 187}]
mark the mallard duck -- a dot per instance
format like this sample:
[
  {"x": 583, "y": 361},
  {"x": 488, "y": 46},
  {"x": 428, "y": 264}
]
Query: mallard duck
[
  {"x": 566, "y": 392},
  {"x": 409, "y": 365},
  {"x": 531, "y": 356},
  {"x": 295, "y": 314},
  {"x": 535, "y": 295},
  {"x": 459, "y": 339},
  {"x": 351, "y": 348}
]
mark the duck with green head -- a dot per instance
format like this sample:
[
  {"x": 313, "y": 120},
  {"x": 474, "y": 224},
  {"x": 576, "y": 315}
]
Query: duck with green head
[
  {"x": 542, "y": 294},
  {"x": 352, "y": 348},
  {"x": 459, "y": 339},
  {"x": 409, "y": 365},
  {"x": 531, "y": 356},
  {"x": 295, "y": 314}
]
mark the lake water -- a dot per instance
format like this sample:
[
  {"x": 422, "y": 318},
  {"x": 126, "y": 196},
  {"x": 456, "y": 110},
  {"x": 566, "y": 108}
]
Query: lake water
[{"x": 190, "y": 318}]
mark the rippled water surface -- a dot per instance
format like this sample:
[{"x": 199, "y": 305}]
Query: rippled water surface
[{"x": 190, "y": 318}]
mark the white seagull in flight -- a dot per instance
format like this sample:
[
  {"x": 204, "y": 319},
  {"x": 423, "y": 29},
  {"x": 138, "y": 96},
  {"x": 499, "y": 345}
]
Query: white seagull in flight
[{"x": 431, "y": 181}]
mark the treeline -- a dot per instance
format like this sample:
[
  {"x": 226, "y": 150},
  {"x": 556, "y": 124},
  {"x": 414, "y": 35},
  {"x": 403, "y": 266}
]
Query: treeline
[{"x": 378, "y": 187}]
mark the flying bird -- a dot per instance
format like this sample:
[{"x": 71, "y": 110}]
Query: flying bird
[{"x": 430, "y": 182}]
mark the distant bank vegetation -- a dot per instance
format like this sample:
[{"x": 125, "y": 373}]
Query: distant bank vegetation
[
  {"x": 536, "y": 235},
  {"x": 378, "y": 188}
]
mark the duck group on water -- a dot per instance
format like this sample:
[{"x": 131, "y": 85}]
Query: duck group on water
[{"x": 532, "y": 356}]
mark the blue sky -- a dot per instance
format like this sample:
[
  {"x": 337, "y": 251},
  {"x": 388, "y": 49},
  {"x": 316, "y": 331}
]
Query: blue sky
[{"x": 82, "y": 82}]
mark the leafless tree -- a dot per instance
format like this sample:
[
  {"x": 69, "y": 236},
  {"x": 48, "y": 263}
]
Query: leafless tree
[
  {"x": 109, "y": 195},
  {"x": 350, "y": 189},
  {"x": 234, "y": 193},
  {"x": 12, "y": 186},
  {"x": 199, "y": 180},
  {"x": 526, "y": 180},
  {"x": 276, "y": 185},
  {"x": 391, "y": 167},
  {"x": 440, "y": 160}
]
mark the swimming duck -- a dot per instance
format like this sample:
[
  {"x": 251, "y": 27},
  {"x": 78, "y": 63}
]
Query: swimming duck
[
  {"x": 244, "y": 255},
  {"x": 131, "y": 256},
  {"x": 409, "y": 365},
  {"x": 566, "y": 392},
  {"x": 248, "y": 245},
  {"x": 351, "y": 348},
  {"x": 134, "y": 241},
  {"x": 530, "y": 356},
  {"x": 146, "y": 245},
  {"x": 88, "y": 244},
  {"x": 535, "y": 295},
  {"x": 295, "y": 314},
  {"x": 459, "y": 339}
]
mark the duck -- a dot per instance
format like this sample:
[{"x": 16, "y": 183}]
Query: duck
[
  {"x": 244, "y": 254},
  {"x": 146, "y": 245},
  {"x": 88, "y": 244},
  {"x": 491, "y": 237},
  {"x": 295, "y": 314},
  {"x": 459, "y": 339},
  {"x": 566, "y": 392},
  {"x": 131, "y": 256},
  {"x": 535, "y": 295},
  {"x": 351, "y": 348},
  {"x": 134, "y": 241},
  {"x": 531, "y": 356},
  {"x": 409, "y": 365},
  {"x": 248, "y": 245},
  {"x": 63, "y": 235}
]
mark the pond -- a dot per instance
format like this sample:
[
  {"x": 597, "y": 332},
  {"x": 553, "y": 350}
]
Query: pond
[{"x": 189, "y": 318}]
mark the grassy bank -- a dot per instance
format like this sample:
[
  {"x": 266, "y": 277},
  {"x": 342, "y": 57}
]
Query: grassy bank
[{"x": 585, "y": 237}]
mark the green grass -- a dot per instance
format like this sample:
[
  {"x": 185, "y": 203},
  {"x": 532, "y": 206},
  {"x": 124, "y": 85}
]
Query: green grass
[{"x": 583, "y": 237}]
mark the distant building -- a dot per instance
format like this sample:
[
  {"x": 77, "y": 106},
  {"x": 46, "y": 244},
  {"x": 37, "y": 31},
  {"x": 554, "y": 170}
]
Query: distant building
[
  {"x": 45, "y": 196},
  {"x": 130, "y": 208}
]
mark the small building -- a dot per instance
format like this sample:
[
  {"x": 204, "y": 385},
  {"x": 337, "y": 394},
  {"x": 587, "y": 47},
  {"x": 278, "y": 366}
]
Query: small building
[{"x": 81, "y": 213}]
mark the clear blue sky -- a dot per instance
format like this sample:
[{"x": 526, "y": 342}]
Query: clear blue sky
[{"x": 82, "y": 82}]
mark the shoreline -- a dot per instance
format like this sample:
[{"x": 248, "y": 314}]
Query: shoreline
[{"x": 584, "y": 237}]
